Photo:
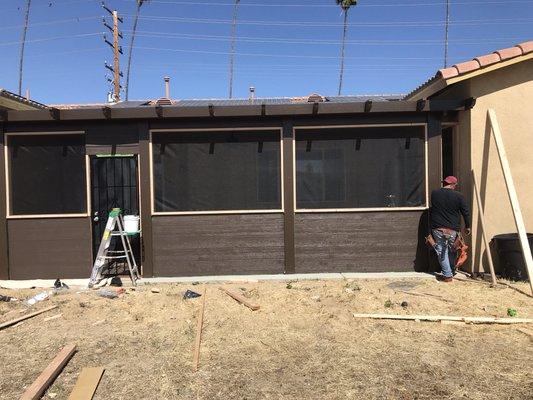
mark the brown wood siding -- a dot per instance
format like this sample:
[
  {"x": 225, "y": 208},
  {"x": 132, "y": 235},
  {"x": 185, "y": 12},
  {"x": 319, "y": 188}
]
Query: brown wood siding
[
  {"x": 357, "y": 242},
  {"x": 49, "y": 248},
  {"x": 195, "y": 245}
]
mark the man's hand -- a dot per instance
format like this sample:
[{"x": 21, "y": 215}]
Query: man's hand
[{"x": 468, "y": 231}]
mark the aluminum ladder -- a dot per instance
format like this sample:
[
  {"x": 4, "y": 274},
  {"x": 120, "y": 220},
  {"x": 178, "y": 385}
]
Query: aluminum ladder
[{"x": 114, "y": 228}]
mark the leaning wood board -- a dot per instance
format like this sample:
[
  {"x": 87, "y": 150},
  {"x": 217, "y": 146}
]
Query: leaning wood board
[
  {"x": 199, "y": 326},
  {"x": 86, "y": 384},
  {"x": 39, "y": 386},
  {"x": 437, "y": 318},
  {"x": 17, "y": 320},
  {"x": 241, "y": 299}
]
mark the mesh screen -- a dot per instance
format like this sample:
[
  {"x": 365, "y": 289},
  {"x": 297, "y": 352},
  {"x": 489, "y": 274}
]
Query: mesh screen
[
  {"x": 47, "y": 174},
  {"x": 210, "y": 171},
  {"x": 360, "y": 167}
]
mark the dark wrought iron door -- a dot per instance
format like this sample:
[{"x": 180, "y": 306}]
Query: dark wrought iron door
[{"x": 113, "y": 184}]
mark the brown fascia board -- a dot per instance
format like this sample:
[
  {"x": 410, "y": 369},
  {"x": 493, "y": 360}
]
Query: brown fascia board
[{"x": 143, "y": 112}]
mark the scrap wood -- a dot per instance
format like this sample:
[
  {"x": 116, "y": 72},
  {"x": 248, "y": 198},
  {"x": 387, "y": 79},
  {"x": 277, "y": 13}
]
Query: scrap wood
[
  {"x": 52, "y": 317},
  {"x": 86, "y": 384},
  {"x": 241, "y": 299},
  {"x": 526, "y": 332},
  {"x": 437, "y": 318},
  {"x": 423, "y": 294},
  {"x": 22, "y": 318},
  {"x": 199, "y": 326},
  {"x": 39, "y": 386}
]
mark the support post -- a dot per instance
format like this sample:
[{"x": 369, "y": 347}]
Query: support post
[
  {"x": 288, "y": 197},
  {"x": 116, "y": 63},
  {"x": 513, "y": 197},
  {"x": 146, "y": 200},
  {"x": 483, "y": 228},
  {"x": 4, "y": 262}
]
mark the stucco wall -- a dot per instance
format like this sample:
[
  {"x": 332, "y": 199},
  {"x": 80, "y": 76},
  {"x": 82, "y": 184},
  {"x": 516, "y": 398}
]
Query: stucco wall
[{"x": 509, "y": 91}]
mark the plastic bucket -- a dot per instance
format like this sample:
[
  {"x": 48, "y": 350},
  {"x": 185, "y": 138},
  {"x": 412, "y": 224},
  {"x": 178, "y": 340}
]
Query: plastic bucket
[{"x": 131, "y": 223}]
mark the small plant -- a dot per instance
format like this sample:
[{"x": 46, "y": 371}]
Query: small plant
[
  {"x": 388, "y": 304},
  {"x": 511, "y": 312},
  {"x": 289, "y": 285}
]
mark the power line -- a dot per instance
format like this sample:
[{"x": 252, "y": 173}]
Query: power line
[
  {"x": 396, "y": 4},
  {"x": 168, "y": 35},
  {"x": 514, "y": 21},
  {"x": 282, "y": 55},
  {"x": 52, "y": 38},
  {"x": 59, "y": 21}
]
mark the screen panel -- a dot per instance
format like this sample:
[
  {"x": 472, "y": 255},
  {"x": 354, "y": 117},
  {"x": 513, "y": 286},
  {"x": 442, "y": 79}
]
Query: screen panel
[
  {"x": 360, "y": 167},
  {"x": 47, "y": 174},
  {"x": 216, "y": 171}
]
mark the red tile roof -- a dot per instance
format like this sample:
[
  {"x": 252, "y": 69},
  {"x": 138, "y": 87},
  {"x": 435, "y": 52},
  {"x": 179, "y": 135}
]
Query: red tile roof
[{"x": 486, "y": 60}]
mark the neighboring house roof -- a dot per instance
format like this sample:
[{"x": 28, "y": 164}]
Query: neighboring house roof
[
  {"x": 468, "y": 69},
  {"x": 12, "y": 101}
]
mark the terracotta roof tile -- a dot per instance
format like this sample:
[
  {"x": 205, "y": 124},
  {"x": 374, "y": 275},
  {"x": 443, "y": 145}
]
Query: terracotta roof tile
[
  {"x": 510, "y": 52},
  {"x": 488, "y": 59},
  {"x": 467, "y": 66},
  {"x": 479, "y": 62},
  {"x": 447, "y": 73},
  {"x": 527, "y": 47}
]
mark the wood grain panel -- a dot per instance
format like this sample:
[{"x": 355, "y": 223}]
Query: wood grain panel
[
  {"x": 49, "y": 248},
  {"x": 197, "y": 245},
  {"x": 357, "y": 242}
]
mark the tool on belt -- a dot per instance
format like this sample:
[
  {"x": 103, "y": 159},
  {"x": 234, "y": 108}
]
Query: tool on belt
[{"x": 459, "y": 246}]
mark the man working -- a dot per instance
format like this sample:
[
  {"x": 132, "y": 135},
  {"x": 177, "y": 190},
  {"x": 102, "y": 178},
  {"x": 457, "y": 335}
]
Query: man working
[{"x": 447, "y": 206}]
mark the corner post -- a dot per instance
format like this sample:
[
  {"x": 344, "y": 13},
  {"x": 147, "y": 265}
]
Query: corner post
[
  {"x": 4, "y": 261},
  {"x": 288, "y": 196},
  {"x": 146, "y": 200}
]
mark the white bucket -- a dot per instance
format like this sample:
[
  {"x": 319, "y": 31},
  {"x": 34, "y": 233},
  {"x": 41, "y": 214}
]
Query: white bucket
[{"x": 131, "y": 223}]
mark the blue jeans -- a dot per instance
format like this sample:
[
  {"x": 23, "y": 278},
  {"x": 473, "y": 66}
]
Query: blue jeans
[{"x": 445, "y": 252}]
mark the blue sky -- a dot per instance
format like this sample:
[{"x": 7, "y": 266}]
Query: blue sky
[{"x": 284, "y": 47}]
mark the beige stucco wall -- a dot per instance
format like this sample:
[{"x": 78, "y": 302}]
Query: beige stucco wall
[{"x": 509, "y": 91}]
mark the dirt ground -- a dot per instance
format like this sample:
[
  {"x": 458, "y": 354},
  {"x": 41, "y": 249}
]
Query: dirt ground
[{"x": 302, "y": 344}]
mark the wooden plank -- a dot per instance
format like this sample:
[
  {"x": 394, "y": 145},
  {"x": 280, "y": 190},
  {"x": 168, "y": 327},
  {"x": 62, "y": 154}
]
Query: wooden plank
[
  {"x": 438, "y": 318},
  {"x": 513, "y": 197},
  {"x": 22, "y": 318},
  {"x": 241, "y": 299},
  {"x": 39, "y": 386},
  {"x": 483, "y": 228},
  {"x": 199, "y": 326},
  {"x": 86, "y": 384},
  {"x": 145, "y": 197}
]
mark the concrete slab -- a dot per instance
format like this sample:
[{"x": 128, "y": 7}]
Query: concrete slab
[{"x": 76, "y": 283}]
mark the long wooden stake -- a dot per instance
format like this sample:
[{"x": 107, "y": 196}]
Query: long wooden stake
[
  {"x": 86, "y": 384},
  {"x": 39, "y": 386},
  {"x": 483, "y": 229},
  {"x": 17, "y": 320},
  {"x": 513, "y": 197},
  {"x": 241, "y": 299},
  {"x": 437, "y": 318},
  {"x": 199, "y": 326}
]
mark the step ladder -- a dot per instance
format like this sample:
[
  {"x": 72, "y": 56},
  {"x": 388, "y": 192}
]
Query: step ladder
[{"x": 114, "y": 228}]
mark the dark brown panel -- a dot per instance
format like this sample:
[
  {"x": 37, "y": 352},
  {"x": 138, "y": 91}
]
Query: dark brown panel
[
  {"x": 112, "y": 138},
  {"x": 49, "y": 248},
  {"x": 434, "y": 153},
  {"x": 145, "y": 199},
  {"x": 94, "y": 149},
  {"x": 196, "y": 245},
  {"x": 357, "y": 242},
  {"x": 288, "y": 196},
  {"x": 4, "y": 270}
]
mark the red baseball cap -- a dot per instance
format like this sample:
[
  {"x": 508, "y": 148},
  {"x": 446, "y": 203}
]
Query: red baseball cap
[{"x": 450, "y": 180}]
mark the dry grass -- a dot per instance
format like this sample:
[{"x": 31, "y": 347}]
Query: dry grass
[{"x": 302, "y": 344}]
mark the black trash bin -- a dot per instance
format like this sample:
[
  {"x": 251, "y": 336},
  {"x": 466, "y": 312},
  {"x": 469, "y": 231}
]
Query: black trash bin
[{"x": 509, "y": 253}]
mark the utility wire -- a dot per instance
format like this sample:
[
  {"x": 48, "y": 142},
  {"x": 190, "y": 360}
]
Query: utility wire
[
  {"x": 59, "y": 21},
  {"x": 52, "y": 38}
]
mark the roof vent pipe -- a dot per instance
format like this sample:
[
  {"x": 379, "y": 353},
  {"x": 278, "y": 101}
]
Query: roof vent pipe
[
  {"x": 252, "y": 93},
  {"x": 167, "y": 86}
]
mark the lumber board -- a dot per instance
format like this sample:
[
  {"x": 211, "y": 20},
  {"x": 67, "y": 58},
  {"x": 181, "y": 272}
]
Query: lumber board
[
  {"x": 513, "y": 197},
  {"x": 241, "y": 299},
  {"x": 39, "y": 386},
  {"x": 199, "y": 326},
  {"x": 23, "y": 317},
  {"x": 86, "y": 384},
  {"x": 438, "y": 318}
]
